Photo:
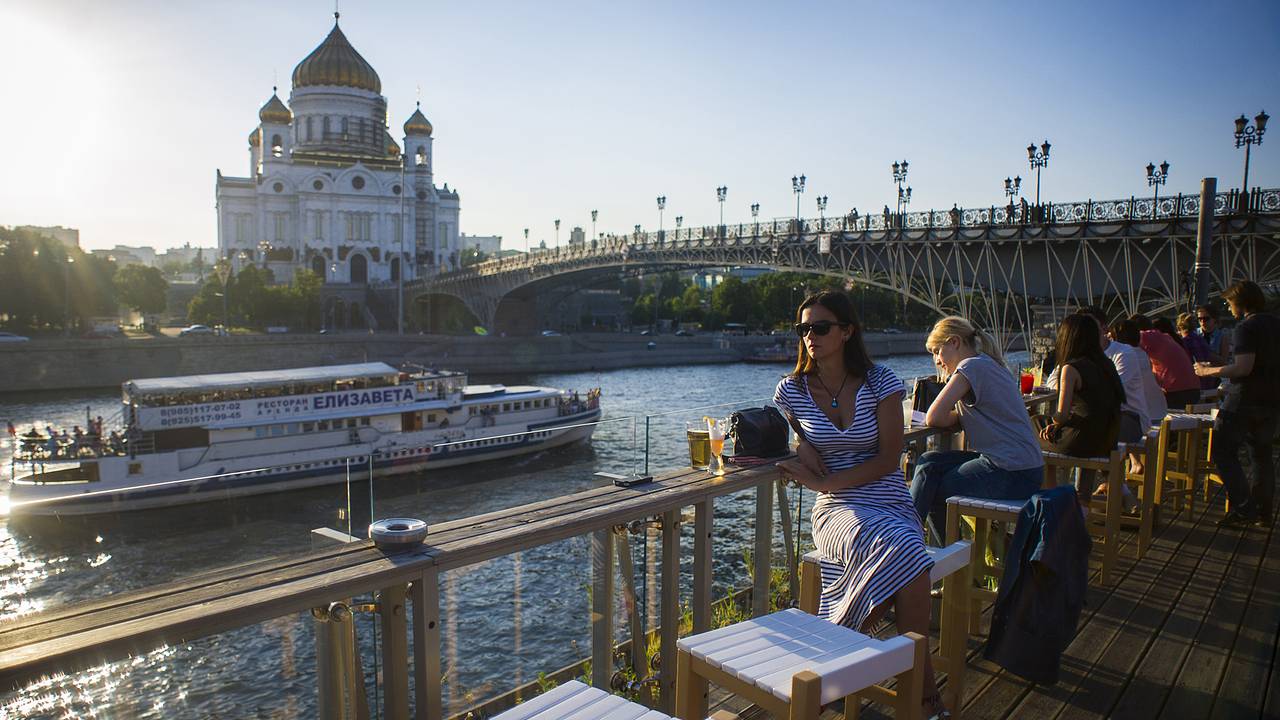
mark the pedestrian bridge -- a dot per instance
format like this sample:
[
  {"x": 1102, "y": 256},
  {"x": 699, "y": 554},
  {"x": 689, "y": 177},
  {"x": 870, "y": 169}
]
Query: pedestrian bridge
[{"x": 991, "y": 264}]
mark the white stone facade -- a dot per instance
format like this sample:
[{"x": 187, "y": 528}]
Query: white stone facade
[{"x": 329, "y": 189}]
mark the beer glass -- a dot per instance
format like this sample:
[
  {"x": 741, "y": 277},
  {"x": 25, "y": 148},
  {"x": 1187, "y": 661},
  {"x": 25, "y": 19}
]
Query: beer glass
[{"x": 699, "y": 444}]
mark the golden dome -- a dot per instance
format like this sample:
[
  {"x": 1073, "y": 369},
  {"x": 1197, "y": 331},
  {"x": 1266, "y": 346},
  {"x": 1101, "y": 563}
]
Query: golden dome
[
  {"x": 254, "y": 138},
  {"x": 275, "y": 111},
  {"x": 393, "y": 148},
  {"x": 335, "y": 62},
  {"x": 417, "y": 124}
]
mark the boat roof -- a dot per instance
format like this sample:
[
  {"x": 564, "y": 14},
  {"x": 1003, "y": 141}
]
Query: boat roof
[{"x": 258, "y": 378}]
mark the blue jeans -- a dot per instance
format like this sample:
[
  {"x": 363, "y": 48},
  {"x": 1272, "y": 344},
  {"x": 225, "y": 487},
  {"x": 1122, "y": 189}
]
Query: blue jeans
[{"x": 941, "y": 474}]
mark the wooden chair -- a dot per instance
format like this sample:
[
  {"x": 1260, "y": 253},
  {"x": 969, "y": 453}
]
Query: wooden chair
[
  {"x": 950, "y": 566},
  {"x": 982, "y": 511},
  {"x": 1104, "y": 519},
  {"x": 791, "y": 663},
  {"x": 576, "y": 700}
]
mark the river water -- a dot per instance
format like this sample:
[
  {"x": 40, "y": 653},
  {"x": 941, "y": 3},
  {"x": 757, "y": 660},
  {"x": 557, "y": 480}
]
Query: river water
[{"x": 504, "y": 620}]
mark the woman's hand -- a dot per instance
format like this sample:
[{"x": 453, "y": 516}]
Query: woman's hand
[
  {"x": 1049, "y": 432},
  {"x": 799, "y": 472},
  {"x": 811, "y": 459}
]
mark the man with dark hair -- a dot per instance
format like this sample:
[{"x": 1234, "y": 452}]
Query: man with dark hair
[
  {"x": 1219, "y": 340},
  {"x": 1251, "y": 409}
]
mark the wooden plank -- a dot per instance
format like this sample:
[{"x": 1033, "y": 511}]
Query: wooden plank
[
  {"x": 601, "y": 608},
  {"x": 395, "y": 651},
  {"x": 763, "y": 553},
  {"x": 789, "y": 541},
  {"x": 622, "y": 544},
  {"x": 670, "y": 610},
  {"x": 702, "y": 521},
  {"x": 1254, "y": 652},
  {"x": 428, "y": 675},
  {"x": 1147, "y": 691}
]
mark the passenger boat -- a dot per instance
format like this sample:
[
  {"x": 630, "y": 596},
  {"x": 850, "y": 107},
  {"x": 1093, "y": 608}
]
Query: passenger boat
[{"x": 194, "y": 438}]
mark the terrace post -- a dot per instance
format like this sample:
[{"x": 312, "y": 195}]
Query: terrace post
[
  {"x": 703, "y": 514},
  {"x": 341, "y": 695},
  {"x": 601, "y": 608},
  {"x": 762, "y": 558},
  {"x": 670, "y": 611},
  {"x": 427, "y": 690},
  {"x": 1204, "y": 238},
  {"x": 395, "y": 651}
]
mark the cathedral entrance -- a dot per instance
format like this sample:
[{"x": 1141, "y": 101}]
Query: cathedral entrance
[
  {"x": 395, "y": 269},
  {"x": 359, "y": 269},
  {"x": 317, "y": 267}
]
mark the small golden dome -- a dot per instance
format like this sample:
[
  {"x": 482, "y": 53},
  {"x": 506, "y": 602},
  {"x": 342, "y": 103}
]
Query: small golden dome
[
  {"x": 417, "y": 124},
  {"x": 275, "y": 111},
  {"x": 335, "y": 62},
  {"x": 254, "y": 138},
  {"x": 393, "y": 148}
]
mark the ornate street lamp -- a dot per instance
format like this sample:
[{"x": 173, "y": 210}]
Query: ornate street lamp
[
  {"x": 1039, "y": 159},
  {"x": 526, "y": 241},
  {"x": 662, "y": 205},
  {"x": 1247, "y": 136},
  {"x": 904, "y": 198},
  {"x": 721, "y": 193},
  {"x": 899, "y": 177},
  {"x": 557, "y": 232},
  {"x": 797, "y": 188},
  {"x": 755, "y": 217},
  {"x": 1156, "y": 178},
  {"x": 822, "y": 211},
  {"x": 1012, "y": 186},
  {"x": 594, "y": 214}
]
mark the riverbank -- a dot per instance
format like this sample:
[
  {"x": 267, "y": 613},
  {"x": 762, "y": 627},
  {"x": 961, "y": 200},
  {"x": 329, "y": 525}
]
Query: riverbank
[{"x": 74, "y": 364}]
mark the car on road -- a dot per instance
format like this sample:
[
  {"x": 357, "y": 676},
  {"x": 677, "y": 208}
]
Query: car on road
[
  {"x": 891, "y": 331},
  {"x": 195, "y": 330},
  {"x": 683, "y": 333},
  {"x": 550, "y": 333},
  {"x": 13, "y": 337}
]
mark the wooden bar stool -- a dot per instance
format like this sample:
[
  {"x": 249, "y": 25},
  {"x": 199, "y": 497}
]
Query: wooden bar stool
[
  {"x": 983, "y": 512},
  {"x": 1105, "y": 515},
  {"x": 576, "y": 701},
  {"x": 951, "y": 566},
  {"x": 792, "y": 663}
]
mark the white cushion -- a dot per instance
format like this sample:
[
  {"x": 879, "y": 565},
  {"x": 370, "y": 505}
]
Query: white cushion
[
  {"x": 769, "y": 650},
  {"x": 964, "y": 501}
]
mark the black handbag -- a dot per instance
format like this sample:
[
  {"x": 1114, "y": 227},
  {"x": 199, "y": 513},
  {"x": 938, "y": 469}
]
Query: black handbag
[
  {"x": 758, "y": 432},
  {"x": 924, "y": 392}
]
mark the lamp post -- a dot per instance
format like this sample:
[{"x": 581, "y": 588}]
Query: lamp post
[
  {"x": 1156, "y": 178},
  {"x": 222, "y": 270},
  {"x": 264, "y": 247},
  {"x": 1039, "y": 160},
  {"x": 594, "y": 214},
  {"x": 1247, "y": 136},
  {"x": 662, "y": 205},
  {"x": 797, "y": 188},
  {"x": 679, "y": 222},
  {"x": 66, "y": 296},
  {"x": 755, "y": 217},
  {"x": 526, "y": 242},
  {"x": 557, "y": 232},
  {"x": 1011, "y": 189},
  {"x": 904, "y": 199},
  {"x": 721, "y": 193},
  {"x": 899, "y": 177},
  {"x": 822, "y": 211}
]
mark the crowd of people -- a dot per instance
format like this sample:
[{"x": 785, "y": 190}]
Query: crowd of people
[
  {"x": 1115, "y": 377},
  {"x": 53, "y": 444}
]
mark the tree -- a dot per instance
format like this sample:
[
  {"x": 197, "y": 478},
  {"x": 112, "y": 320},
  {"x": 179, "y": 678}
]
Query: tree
[
  {"x": 733, "y": 300},
  {"x": 141, "y": 288}
]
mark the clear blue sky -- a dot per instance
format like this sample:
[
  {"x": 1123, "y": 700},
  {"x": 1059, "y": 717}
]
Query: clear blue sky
[{"x": 116, "y": 114}]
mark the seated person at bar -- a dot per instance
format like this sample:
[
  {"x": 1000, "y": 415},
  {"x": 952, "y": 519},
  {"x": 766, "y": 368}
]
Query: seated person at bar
[
  {"x": 1174, "y": 372},
  {"x": 982, "y": 398},
  {"x": 847, "y": 412},
  {"x": 1087, "y": 421},
  {"x": 1197, "y": 349}
]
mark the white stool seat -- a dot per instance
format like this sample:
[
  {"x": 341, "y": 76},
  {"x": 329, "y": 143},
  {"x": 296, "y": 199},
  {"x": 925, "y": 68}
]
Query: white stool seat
[
  {"x": 768, "y": 651},
  {"x": 575, "y": 701},
  {"x": 946, "y": 560}
]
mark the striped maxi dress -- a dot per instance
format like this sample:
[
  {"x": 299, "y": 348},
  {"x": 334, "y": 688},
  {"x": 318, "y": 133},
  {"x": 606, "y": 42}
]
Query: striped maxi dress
[{"x": 869, "y": 536}]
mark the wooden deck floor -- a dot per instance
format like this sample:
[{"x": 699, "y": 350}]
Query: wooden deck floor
[{"x": 1188, "y": 632}]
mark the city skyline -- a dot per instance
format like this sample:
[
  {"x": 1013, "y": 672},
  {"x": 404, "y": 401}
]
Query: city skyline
[{"x": 552, "y": 112}]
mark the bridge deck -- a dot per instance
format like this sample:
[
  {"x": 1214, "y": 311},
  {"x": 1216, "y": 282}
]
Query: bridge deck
[{"x": 1189, "y": 632}]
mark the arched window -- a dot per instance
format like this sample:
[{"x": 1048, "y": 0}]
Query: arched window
[
  {"x": 344, "y": 128},
  {"x": 317, "y": 266},
  {"x": 310, "y": 130},
  {"x": 325, "y": 128},
  {"x": 420, "y": 157},
  {"x": 277, "y": 146},
  {"x": 359, "y": 269},
  {"x": 395, "y": 269}
]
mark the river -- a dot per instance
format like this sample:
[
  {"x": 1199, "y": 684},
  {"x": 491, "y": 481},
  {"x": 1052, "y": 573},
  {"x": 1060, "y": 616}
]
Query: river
[{"x": 268, "y": 670}]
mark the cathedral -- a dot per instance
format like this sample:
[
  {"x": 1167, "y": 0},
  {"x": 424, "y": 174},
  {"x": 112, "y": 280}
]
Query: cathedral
[{"x": 329, "y": 188}]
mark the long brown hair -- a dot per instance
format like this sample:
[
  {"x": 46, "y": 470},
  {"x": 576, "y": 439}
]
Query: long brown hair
[{"x": 856, "y": 360}]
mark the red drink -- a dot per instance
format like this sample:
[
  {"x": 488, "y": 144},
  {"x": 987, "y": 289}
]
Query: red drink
[{"x": 1027, "y": 382}]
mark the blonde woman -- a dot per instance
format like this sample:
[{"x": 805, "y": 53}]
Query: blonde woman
[{"x": 982, "y": 398}]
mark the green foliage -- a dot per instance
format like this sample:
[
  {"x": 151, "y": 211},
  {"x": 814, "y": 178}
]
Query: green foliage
[
  {"x": 141, "y": 288},
  {"x": 252, "y": 301},
  {"x": 41, "y": 290},
  {"x": 472, "y": 256}
]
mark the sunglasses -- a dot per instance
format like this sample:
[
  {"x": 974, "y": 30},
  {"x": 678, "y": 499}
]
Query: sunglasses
[
  {"x": 819, "y": 328},
  {"x": 1203, "y": 318}
]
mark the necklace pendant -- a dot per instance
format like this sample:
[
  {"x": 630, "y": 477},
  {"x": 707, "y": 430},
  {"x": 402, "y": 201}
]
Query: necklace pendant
[{"x": 834, "y": 404}]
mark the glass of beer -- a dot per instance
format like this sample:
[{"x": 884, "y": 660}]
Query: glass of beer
[
  {"x": 699, "y": 444},
  {"x": 715, "y": 437}
]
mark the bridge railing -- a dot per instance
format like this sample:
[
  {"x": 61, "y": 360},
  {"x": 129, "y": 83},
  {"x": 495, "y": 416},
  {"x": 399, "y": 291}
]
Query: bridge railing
[{"x": 1260, "y": 201}]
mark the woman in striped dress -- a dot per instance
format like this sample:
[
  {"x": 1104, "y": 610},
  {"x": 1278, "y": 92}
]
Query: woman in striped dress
[{"x": 847, "y": 412}]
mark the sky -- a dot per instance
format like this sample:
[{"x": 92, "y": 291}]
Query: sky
[{"x": 115, "y": 116}]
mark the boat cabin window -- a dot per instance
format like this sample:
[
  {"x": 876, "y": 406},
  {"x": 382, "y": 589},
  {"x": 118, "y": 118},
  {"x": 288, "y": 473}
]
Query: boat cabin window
[
  {"x": 308, "y": 427},
  {"x": 366, "y": 421},
  {"x": 322, "y": 425}
]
